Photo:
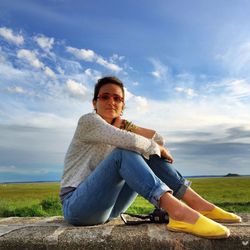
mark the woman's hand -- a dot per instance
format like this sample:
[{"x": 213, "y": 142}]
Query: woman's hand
[
  {"x": 119, "y": 122},
  {"x": 166, "y": 154}
]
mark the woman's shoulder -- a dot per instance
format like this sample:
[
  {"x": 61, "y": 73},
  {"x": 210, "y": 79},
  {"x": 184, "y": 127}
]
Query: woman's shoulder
[
  {"x": 90, "y": 122},
  {"x": 86, "y": 117},
  {"x": 89, "y": 117}
]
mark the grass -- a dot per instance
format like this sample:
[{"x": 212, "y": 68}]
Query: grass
[
  {"x": 41, "y": 199},
  {"x": 30, "y": 199}
]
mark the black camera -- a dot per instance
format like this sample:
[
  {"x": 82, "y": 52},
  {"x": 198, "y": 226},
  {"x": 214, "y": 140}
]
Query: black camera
[{"x": 159, "y": 216}]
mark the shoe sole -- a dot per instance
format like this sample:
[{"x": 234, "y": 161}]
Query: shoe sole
[{"x": 207, "y": 237}]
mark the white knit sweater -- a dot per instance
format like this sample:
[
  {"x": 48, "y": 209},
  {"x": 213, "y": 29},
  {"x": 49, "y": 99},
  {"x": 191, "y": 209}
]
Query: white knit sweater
[{"x": 93, "y": 140}]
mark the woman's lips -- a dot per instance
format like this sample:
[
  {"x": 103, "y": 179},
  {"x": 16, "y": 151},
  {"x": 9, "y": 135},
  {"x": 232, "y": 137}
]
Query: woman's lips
[{"x": 112, "y": 109}]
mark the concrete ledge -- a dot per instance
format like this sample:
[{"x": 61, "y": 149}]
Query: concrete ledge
[{"x": 53, "y": 233}]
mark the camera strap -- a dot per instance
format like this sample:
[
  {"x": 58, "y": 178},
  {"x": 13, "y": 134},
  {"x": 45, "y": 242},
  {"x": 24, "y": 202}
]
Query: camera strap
[{"x": 157, "y": 216}]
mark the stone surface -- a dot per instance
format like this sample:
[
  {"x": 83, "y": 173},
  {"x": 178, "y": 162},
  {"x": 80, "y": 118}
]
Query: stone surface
[{"x": 54, "y": 233}]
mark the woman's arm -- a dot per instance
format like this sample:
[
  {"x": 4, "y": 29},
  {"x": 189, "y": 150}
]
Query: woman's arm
[
  {"x": 94, "y": 129},
  {"x": 148, "y": 133},
  {"x": 145, "y": 132},
  {"x": 151, "y": 134},
  {"x": 121, "y": 123}
]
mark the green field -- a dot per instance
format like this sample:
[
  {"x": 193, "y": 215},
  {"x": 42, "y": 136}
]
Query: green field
[{"x": 41, "y": 199}]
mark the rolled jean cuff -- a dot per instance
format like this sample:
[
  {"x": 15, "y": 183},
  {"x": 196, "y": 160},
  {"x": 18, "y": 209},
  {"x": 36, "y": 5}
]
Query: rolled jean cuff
[
  {"x": 179, "y": 194},
  {"x": 157, "y": 193}
]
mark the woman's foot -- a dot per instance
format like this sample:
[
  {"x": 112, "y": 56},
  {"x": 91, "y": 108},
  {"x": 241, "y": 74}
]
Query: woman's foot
[
  {"x": 184, "y": 219},
  {"x": 208, "y": 209},
  {"x": 221, "y": 215},
  {"x": 195, "y": 201},
  {"x": 203, "y": 227},
  {"x": 178, "y": 210}
]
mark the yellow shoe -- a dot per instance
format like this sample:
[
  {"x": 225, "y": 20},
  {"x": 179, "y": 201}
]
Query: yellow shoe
[
  {"x": 203, "y": 227},
  {"x": 221, "y": 215}
]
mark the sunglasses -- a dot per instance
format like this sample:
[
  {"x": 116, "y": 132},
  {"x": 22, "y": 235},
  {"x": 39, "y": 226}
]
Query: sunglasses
[{"x": 106, "y": 97}]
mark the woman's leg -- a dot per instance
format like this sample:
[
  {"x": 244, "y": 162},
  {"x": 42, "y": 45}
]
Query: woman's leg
[
  {"x": 180, "y": 186},
  {"x": 169, "y": 175},
  {"x": 195, "y": 201},
  {"x": 94, "y": 199},
  {"x": 172, "y": 178},
  {"x": 125, "y": 198}
]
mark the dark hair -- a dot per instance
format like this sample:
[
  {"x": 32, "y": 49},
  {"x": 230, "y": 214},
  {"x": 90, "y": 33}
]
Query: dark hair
[{"x": 105, "y": 80}]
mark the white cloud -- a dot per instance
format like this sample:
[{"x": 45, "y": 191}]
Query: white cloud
[
  {"x": 44, "y": 42},
  {"x": 135, "y": 103},
  {"x": 70, "y": 67},
  {"x": 30, "y": 57},
  {"x": 16, "y": 89},
  {"x": 76, "y": 90},
  {"x": 88, "y": 72},
  {"x": 156, "y": 74},
  {"x": 238, "y": 88},
  {"x": 10, "y": 36},
  {"x": 9, "y": 169},
  {"x": 92, "y": 75},
  {"x": 9, "y": 72},
  {"x": 128, "y": 94},
  {"x": 83, "y": 54},
  {"x": 161, "y": 71},
  {"x": 141, "y": 103},
  {"x": 231, "y": 88},
  {"x": 114, "y": 58},
  {"x": 204, "y": 113},
  {"x": 108, "y": 65},
  {"x": 90, "y": 56},
  {"x": 49, "y": 72},
  {"x": 23, "y": 170},
  {"x": 40, "y": 120},
  {"x": 60, "y": 70},
  {"x": 188, "y": 91},
  {"x": 2, "y": 56},
  {"x": 236, "y": 58}
]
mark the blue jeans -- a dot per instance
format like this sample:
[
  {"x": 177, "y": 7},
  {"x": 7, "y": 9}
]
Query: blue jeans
[{"x": 112, "y": 187}]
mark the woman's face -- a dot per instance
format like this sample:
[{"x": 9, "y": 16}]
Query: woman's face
[{"x": 109, "y": 104}]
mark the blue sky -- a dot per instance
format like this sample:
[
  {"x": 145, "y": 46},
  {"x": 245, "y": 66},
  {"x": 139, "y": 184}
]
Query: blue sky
[{"x": 185, "y": 65}]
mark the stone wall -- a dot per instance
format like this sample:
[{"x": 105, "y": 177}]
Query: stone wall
[{"x": 53, "y": 233}]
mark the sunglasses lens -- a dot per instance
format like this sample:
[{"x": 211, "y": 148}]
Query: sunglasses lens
[
  {"x": 106, "y": 97},
  {"x": 117, "y": 99}
]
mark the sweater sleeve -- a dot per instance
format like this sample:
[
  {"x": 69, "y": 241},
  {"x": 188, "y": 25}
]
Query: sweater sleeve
[
  {"x": 94, "y": 129},
  {"x": 158, "y": 139}
]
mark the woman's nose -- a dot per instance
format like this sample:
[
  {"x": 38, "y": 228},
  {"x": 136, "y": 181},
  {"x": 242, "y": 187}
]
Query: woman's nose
[{"x": 111, "y": 100}]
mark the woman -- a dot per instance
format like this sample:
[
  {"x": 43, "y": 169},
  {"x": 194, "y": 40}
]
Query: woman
[{"x": 111, "y": 160}]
